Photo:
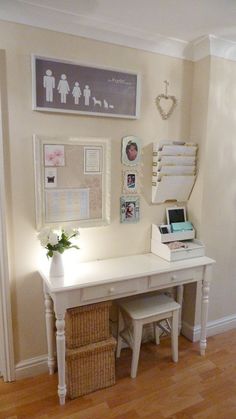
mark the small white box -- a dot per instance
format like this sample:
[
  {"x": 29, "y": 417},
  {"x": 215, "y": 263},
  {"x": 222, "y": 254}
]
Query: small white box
[
  {"x": 195, "y": 249},
  {"x": 171, "y": 237}
]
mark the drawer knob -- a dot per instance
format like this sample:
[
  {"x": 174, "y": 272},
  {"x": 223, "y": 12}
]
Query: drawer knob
[
  {"x": 174, "y": 277},
  {"x": 111, "y": 290}
]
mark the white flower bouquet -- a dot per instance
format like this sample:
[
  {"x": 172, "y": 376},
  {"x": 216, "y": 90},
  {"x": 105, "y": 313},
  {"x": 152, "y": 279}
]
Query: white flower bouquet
[{"x": 58, "y": 240}]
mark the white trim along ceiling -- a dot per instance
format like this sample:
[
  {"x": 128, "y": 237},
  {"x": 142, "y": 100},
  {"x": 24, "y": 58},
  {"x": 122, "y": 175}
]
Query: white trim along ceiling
[{"x": 95, "y": 19}]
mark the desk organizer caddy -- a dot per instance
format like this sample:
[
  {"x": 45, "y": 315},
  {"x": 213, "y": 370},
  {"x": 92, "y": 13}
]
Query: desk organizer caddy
[
  {"x": 195, "y": 248},
  {"x": 90, "y": 357}
]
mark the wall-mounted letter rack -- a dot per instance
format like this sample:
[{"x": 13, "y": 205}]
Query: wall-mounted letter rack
[{"x": 173, "y": 171}]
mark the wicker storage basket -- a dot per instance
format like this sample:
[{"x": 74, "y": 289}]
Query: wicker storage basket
[
  {"x": 90, "y": 368},
  {"x": 87, "y": 324}
]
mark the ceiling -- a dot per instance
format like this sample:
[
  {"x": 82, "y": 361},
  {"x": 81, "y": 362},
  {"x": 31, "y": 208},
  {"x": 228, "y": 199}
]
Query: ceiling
[{"x": 147, "y": 22}]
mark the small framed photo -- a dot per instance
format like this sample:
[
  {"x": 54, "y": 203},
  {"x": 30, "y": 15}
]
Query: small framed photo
[
  {"x": 131, "y": 150},
  {"x": 129, "y": 209},
  {"x": 176, "y": 215},
  {"x": 130, "y": 181}
]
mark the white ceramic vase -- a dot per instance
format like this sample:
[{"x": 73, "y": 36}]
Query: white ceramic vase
[{"x": 56, "y": 267}]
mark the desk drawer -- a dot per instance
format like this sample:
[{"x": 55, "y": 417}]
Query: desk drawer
[
  {"x": 114, "y": 289},
  {"x": 193, "y": 274}
]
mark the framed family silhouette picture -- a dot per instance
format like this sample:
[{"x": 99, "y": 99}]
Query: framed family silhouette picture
[{"x": 66, "y": 86}]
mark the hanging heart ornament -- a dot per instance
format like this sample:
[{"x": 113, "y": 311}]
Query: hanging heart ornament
[{"x": 168, "y": 102}]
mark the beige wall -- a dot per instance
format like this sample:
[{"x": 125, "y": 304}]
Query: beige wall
[
  {"x": 213, "y": 202},
  {"x": 218, "y": 222},
  {"x": 198, "y": 134},
  {"x": 205, "y": 114},
  {"x": 19, "y": 42}
]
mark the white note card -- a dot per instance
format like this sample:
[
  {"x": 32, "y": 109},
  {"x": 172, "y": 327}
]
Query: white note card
[{"x": 92, "y": 160}]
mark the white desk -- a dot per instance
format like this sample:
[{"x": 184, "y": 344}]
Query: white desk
[{"x": 110, "y": 279}]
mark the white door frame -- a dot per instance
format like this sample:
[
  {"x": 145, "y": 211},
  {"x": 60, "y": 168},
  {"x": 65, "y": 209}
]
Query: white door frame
[{"x": 6, "y": 334}]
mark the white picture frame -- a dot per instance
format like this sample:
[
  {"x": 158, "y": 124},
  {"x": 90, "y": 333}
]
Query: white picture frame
[
  {"x": 73, "y": 200},
  {"x": 66, "y": 86},
  {"x": 130, "y": 181},
  {"x": 129, "y": 209},
  {"x": 175, "y": 214},
  {"x": 131, "y": 150}
]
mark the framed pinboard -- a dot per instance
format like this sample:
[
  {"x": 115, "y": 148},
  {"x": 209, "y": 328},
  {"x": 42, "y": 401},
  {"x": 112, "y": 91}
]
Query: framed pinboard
[
  {"x": 72, "y": 181},
  {"x": 69, "y": 87}
]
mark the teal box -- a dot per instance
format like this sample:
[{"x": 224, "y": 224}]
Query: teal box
[{"x": 185, "y": 226}]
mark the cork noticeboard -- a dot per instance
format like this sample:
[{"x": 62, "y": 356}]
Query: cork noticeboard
[{"x": 72, "y": 181}]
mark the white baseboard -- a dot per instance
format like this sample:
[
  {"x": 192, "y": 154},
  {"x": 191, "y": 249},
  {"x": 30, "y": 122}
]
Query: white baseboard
[
  {"x": 38, "y": 365},
  {"x": 31, "y": 367},
  {"x": 213, "y": 328}
]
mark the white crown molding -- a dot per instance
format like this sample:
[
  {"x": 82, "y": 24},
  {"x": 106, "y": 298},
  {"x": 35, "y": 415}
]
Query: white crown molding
[
  {"x": 57, "y": 20},
  {"x": 212, "y": 45},
  {"x": 51, "y": 18},
  {"x": 200, "y": 48},
  {"x": 222, "y": 48}
]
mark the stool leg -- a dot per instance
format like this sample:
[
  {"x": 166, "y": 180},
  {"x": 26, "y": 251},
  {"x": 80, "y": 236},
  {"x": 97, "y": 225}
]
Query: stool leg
[
  {"x": 156, "y": 333},
  {"x": 119, "y": 338},
  {"x": 137, "y": 335},
  {"x": 180, "y": 293},
  {"x": 174, "y": 336}
]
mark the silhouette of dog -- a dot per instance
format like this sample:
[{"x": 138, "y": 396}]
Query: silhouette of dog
[
  {"x": 96, "y": 102},
  {"x": 105, "y": 104}
]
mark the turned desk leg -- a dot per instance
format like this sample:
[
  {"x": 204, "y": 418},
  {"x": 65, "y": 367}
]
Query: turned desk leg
[
  {"x": 49, "y": 314},
  {"x": 60, "y": 325},
  {"x": 204, "y": 308}
]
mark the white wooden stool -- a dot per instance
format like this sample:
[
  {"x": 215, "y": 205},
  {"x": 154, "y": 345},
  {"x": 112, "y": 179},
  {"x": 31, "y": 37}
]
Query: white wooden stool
[{"x": 134, "y": 313}]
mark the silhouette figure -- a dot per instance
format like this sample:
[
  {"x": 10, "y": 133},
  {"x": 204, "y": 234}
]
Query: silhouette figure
[
  {"x": 87, "y": 94},
  {"x": 76, "y": 92},
  {"x": 49, "y": 85},
  {"x": 63, "y": 88}
]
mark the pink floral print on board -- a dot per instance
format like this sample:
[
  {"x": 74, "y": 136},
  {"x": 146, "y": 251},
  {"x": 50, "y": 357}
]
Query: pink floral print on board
[{"x": 54, "y": 155}]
